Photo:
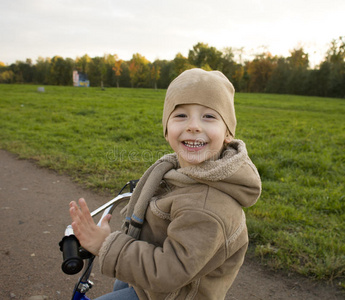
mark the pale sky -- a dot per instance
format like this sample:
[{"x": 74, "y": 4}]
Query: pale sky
[{"x": 159, "y": 29}]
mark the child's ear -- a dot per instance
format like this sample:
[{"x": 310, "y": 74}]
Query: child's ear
[
  {"x": 228, "y": 138},
  {"x": 166, "y": 137}
]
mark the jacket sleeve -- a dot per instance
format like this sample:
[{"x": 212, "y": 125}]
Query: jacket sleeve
[{"x": 193, "y": 238}]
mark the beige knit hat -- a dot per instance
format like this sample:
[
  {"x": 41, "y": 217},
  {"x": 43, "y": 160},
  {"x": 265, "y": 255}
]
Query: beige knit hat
[{"x": 208, "y": 88}]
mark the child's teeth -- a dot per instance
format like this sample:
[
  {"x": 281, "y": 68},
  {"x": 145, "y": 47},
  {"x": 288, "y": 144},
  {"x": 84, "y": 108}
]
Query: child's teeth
[{"x": 195, "y": 144}]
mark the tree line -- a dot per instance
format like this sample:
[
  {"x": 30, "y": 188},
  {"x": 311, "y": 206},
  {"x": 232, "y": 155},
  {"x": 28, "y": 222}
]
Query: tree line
[{"x": 265, "y": 73}]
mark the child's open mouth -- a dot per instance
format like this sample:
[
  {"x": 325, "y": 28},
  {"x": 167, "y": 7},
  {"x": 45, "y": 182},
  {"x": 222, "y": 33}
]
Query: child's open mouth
[{"x": 194, "y": 144}]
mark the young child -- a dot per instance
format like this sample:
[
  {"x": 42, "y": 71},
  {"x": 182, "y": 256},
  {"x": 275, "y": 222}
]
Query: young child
[{"x": 185, "y": 233}]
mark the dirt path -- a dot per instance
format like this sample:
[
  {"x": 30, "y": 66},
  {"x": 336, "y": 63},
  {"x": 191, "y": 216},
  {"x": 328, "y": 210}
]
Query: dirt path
[{"x": 33, "y": 217}]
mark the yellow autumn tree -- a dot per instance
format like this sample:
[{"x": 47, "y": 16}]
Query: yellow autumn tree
[
  {"x": 139, "y": 71},
  {"x": 117, "y": 68}
]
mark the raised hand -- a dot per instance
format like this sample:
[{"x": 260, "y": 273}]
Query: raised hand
[{"x": 90, "y": 236}]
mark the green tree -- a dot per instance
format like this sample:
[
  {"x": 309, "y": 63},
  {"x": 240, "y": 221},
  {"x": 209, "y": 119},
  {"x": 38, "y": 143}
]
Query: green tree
[
  {"x": 232, "y": 70},
  {"x": 206, "y": 57},
  {"x": 298, "y": 63},
  {"x": 335, "y": 62},
  {"x": 277, "y": 83},
  {"x": 100, "y": 72},
  {"x": 23, "y": 71},
  {"x": 167, "y": 73},
  {"x": 298, "y": 59},
  {"x": 260, "y": 71},
  {"x": 155, "y": 73},
  {"x": 181, "y": 64},
  {"x": 317, "y": 81},
  {"x": 82, "y": 63},
  {"x": 6, "y": 75},
  {"x": 107, "y": 73},
  {"x": 42, "y": 70},
  {"x": 125, "y": 80},
  {"x": 94, "y": 72},
  {"x": 336, "y": 52},
  {"x": 61, "y": 71}
]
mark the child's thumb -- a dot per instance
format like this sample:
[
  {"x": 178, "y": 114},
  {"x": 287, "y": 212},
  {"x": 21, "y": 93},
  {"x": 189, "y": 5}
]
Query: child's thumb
[{"x": 105, "y": 221}]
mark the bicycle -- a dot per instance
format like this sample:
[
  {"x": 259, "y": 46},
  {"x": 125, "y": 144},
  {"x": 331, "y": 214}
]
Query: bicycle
[{"x": 74, "y": 255}]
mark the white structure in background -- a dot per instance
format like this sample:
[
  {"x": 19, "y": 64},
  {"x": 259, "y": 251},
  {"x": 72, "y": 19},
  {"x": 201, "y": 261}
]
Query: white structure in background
[{"x": 80, "y": 79}]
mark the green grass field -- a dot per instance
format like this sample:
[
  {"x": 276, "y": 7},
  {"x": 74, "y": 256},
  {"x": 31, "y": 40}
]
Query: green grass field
[{"x": 104, "y": 138}]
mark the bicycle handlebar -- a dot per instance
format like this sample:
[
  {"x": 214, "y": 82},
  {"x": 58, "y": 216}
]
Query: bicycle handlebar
[
  {"x": 73, "y": 253},
  {"x": 72, "y": 263}
]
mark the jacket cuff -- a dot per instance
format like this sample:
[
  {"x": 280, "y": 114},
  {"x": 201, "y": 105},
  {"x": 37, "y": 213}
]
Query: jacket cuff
[
  {"x": 105, "y": 249},
  {"x": 110, "y": 251}
]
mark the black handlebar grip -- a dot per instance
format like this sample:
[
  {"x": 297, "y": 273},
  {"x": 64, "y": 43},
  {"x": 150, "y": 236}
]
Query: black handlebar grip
[{"x": 72, "y": 263}]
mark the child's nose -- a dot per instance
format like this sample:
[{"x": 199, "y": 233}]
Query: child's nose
[{"x": 193, "y": 125}]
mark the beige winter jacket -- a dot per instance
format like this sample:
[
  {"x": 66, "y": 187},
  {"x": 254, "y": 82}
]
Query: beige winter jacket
[{"x": 194, "y": 237}]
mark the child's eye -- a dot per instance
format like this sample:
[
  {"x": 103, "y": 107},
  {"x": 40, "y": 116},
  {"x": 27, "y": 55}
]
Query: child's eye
[
  {"x": 209, "y": 116},
  {"x": 181, "y": 115}
]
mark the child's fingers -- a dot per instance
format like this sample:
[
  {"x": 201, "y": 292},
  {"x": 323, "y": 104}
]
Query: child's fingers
[
  {"x": 85, "y": 211},
  {"x": 72, "y": 204},
  {"x": 75, "y": 229},
  {"x": 72, "y": 209},
  {"x": 76, "y": 214},
  {"x": 73, "y": 212},
  {"x": 83, "y": 204},
  {"x": 79, "y": 223}
]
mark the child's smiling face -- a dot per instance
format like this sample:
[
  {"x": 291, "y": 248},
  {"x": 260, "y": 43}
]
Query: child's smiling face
[{"x": 196, "y": 133}]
